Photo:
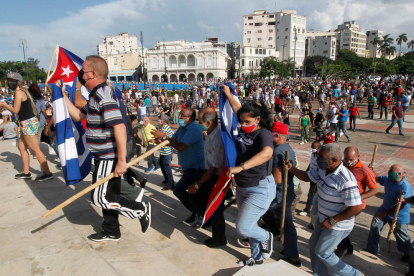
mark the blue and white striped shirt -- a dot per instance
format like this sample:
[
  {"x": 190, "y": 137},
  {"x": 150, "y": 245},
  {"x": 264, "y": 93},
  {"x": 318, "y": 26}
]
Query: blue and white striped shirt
[{"x": 336, "y": 191}]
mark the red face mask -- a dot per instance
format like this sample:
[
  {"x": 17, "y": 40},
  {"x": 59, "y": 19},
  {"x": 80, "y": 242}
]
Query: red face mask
[{"x": 250, "y": 128}]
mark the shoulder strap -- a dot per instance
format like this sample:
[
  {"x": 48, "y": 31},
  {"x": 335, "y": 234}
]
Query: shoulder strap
[{"x": 269, "y": 166}]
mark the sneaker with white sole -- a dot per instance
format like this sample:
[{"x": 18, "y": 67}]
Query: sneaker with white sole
[
  {"x": 103, "y": 236},
  {"x": 303, "y": 214},
  {"x": 44, "y": 177},
  {"x": 267, "y": 247},
  {"x": 145, "y": 219},
  {"x": 250, "y": 262},
  {"x": 244, "y": 243},
  {"x": 23, "y": 176}
]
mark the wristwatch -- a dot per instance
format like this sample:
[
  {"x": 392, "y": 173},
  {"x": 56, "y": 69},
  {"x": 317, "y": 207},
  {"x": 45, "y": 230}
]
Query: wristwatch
[
  {"x": 196, "y": 185},
  {"x": 242, "y": 166},
  {"x": 332, "y": 221},
  {"x": 164, "y": 137}
]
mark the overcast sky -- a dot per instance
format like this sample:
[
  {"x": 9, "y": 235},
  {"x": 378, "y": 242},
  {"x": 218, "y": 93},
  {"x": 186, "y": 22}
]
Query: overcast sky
[{"x": 80, "y": 25}]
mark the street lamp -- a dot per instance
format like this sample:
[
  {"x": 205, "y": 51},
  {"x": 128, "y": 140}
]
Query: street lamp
[
  {"x": 294, "y": 54},
  {"x": 23, "y": 44}
]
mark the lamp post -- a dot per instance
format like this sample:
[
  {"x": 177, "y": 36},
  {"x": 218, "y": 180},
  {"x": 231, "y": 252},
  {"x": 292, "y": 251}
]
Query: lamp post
[
  {"x": 142, "y": 59},
  {"x": 165, "y": 64},
  {"x": 294, "y": 54},
  {"x": 23, "y": 45}
]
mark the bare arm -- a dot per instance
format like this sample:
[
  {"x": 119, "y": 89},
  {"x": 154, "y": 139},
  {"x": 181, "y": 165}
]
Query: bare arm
[
  {"x": 347, "y": 213},
  {"x": 17, "y": 102},
  {"x": 302, "y": 175},
  {"x": 263, "y": 156},
  {"x": 235, "y": 105},
  {"x": 369, "y": 193},
  {"x": 80, "y": 102},
  {"x": 278, "y": 175},
  {"x": 120, "y": 138}
]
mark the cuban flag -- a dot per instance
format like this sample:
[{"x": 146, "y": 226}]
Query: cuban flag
[
  {"x": 229, "y": 134},
  {"x": 75, "y": 158}
]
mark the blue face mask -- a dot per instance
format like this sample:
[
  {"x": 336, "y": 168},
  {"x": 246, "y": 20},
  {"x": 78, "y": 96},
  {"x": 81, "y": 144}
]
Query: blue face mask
[
  {"x": 398, "y": 104},
  {"x": 181, "y": 122}
]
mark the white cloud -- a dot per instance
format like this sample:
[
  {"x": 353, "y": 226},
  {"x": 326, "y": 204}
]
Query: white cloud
[
  {"x": 171, "y": 27},
  {"x": 209, "y": 29}
]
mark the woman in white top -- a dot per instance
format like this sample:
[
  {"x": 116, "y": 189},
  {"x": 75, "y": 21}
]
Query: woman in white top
[{"x": 10, "y": 129}]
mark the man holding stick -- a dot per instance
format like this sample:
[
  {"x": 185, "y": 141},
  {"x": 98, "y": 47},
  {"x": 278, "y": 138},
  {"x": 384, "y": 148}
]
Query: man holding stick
[
  {"x": 106, "y": 139},
  {"x": 339, "y": 201},
  {"x": 392, "y": 185}
]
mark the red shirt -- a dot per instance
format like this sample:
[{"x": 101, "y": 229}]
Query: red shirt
[
  {"x": 353, "y": 111},
  {"x": 365, "y": 178},
  {"x": 328, "y": 140}
]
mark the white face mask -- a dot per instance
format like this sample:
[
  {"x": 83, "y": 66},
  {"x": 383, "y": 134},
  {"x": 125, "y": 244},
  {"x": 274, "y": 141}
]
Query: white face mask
[
  {"x": 141, "y": 123},
  {"x": 314, "y": 150}
]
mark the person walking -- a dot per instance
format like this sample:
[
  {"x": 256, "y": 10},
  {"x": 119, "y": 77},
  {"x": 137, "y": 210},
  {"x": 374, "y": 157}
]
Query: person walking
[
  {"x": 339, "y": 202},
  {"x": 304, "y": 122},
  {"x": 371, "y": 104},
  {"x": 149, "y": 142},
  {"x": 353, "y": 113},
  {"x": 385, "y": 103},
  {"x": 166, "y": 156},
  {"x": 24, "y": 107},
  {"x": 342, "y": 118},
  {"x": 255, "y": 188},
  {"x": 397, "y": 118}
]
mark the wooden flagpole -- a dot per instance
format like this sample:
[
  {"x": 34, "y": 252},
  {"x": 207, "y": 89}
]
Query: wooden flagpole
[
  {"x": 285, "y": 180},
  {"x": 51, "y": 62},
  {"x": 102, "y": 181}
]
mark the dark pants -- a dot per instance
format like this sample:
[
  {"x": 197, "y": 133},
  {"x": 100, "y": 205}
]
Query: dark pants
[
  {"x": 107, "y": 196},
  {"x": 310, "y": 198},
  {"x": 346, "y": 242},
  {"x": 152, "y": 160},
  {"x": 352, "y": 121},
  {"x": 165, "y": 161},
  {"x": 384, "y": 109},
  {"x": 200, "y": 201},
  {"x": 180, "y": 189},
  {"x": 371, "y": 111}
]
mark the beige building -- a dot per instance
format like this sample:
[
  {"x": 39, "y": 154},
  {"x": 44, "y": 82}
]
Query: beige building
[
  {"x": 259, "y": 29},
  {"x": 321, "y": 43},
  {"x": 350, "y": 36},
  {"x": 173, "y": 61},
  {"x": 370, "y": 46}
]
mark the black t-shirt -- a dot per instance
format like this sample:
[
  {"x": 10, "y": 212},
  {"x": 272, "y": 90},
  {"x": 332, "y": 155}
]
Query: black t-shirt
[
  {"x": 278, "y": 156},
  {"x": 247, "y": 146},
  {"x": 287, "y": 120}
]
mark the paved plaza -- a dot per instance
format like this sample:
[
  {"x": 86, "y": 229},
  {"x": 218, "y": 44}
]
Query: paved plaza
[{"x": 58, "y": 245}]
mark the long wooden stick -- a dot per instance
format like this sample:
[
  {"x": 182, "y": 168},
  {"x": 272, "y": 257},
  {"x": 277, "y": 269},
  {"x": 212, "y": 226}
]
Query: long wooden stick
[
  {"x": 285, "y": 180},
  {"x": 373, "y": 156},
  {"x": 394, "y": 221},
  {"x": 102, "y": 181},
  {"x": 51, "y": 62}
]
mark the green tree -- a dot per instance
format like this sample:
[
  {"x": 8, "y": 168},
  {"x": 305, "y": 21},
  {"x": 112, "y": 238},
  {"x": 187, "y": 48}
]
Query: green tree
[
  {"x": 376, "y": 42},
  {"x": 313, "y": 62},
  {"x": 400, "y": 39},
  {"x": 386, "y": 42}
]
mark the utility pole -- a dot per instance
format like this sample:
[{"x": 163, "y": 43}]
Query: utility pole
[
  {"x": 142, "y": 59},
  {"x": 294, "y": 54},
  {"x": 165, "y": 63},
  {"x": 23, "y": 44}
]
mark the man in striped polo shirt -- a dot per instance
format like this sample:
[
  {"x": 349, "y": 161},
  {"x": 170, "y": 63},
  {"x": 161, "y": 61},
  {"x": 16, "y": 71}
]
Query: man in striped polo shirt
[
  {"x": 166, "y": 155},
  {"x": 367, "y": 185},
  {"x": 106, "y": 139},
  {"x": 339, "y": 202}
]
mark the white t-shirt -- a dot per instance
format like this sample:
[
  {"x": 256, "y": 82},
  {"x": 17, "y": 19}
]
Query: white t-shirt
[
  {"x": 154, "y": 100},
  {"x": 332, "y": 115},
  {"x": 296, "y": 98},
  {"x": 176, "y": 98}
]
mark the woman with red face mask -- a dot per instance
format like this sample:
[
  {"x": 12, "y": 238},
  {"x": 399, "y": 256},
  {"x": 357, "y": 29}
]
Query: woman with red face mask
[{"x": 256, "y": 186}]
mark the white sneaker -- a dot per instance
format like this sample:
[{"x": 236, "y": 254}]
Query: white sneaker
[{"x": 303, "y": 214}]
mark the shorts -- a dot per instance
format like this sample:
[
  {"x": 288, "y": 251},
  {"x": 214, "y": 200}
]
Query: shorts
[{"x": 29, "y": 127}]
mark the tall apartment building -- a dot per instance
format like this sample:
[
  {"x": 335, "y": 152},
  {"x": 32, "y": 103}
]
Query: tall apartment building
[
  {"x": 259, "y": 29},
  {"x": 321, "y": 44},
  {"x": 290, "y": 36},
  {"x": 122, "y": 54},
  {"x": 371, "y": 47},
  {"x": 350, "y": 36}
]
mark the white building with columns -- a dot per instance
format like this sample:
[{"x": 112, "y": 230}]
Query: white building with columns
[{"x": 179, "y": 61}]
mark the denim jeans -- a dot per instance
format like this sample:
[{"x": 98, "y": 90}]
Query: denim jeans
[
  {"x": 152, "y": 160},
  {"x": 400, "y": 125},
  {"x": 400, "y": 233},
  {"x": 405, "y": 110},
  {"x": 165, "y": 161},
  {"x": 253, "y": 202},
  {"x": 154, "y": 107},
  {"x": 148, "y": 111},
  {"x": 384, "y": 109},
  {"x": 371, "y": 111},
  {"x": 175, "y": 117},
  {"x": 323, "y": 259},
  {"x": 341, "y": 126},
  {"x": 190, "y": 176}
]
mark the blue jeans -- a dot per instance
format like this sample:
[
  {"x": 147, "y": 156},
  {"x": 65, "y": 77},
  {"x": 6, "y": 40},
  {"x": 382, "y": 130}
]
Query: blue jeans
[
  {"x": 400, "y": 233},
  {"x": 152, "y": 160},
  {"x": 323, "y": 259},
  {"x": 253, "y": 202},
  {"x": 341, "y": 126},
  {"x": 190, "y": 176},
  {"x": 148, "y": 111},
  {"x": 371, "y": 111},
  {"x": 154, "y": 107},
  {"x": 400, "y": 125},
  {"x": 165, "y": 161},
  {"x": 405, "y": 110}
]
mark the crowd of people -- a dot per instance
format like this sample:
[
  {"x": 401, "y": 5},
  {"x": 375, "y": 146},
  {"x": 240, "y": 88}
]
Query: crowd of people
[{"x": 119, "y": 127}]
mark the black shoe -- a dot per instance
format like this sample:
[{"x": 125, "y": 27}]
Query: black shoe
[
  {"x": 145, "y": 219},
  {"x": 405, "y": 258},
  {"x": 250, "y": 262},
  {"x": 143, "y": 182},
  {"x": 102, "y": 236},
  {"x": 23, "y": 176},
  {"x": 165, "y": 189},
  {"x": 267, "y": 247},
  {"x": 191, "y": 218},
  {"x": 165, "y": 182},
  {"x": 289, "y": 260},
  {"x": 44, "y": 177},
  {"x": 244, "y": 243},
  {"x": 212, "y": 244}
]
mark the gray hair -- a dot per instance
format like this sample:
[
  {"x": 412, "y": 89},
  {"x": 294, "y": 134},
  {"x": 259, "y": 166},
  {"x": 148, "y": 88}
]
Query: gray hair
[
  {"x": 334, "y": 150},
  {"x": 165, "y": 117},
  {"x": 210, "y": 116}
]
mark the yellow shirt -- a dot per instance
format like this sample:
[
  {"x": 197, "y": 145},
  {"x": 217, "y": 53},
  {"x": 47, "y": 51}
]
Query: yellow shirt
[{"x": 147, "y": 135}]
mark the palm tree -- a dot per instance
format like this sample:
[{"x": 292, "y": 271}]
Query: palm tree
[
  {"x": 376, "y": 42},
  {"x": 385, "y": 44},
  {"x": 401, "y": 38},
  {"x": 410, "y": 44},
  {"x": 391, "y": 51}
]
